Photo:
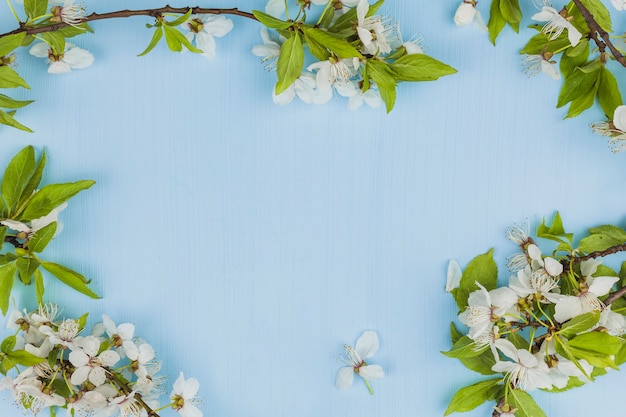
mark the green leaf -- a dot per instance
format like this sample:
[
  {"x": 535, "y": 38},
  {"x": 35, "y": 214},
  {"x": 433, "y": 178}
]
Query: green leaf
[
  {"x": 290, "y": 62},
  {"x": 496, "y": 21},
  {"x": 3, "y": 233},
  {"x": 26, "y": 268},
  {"x": 583, "y": 102},
  {"x": 615, "y": 232},
  {"x": 7, "y": 364},
  {"x": 600, "y": 14},
  {"x": 317, "y": 49},
  {"x": 472, "y": 396},
  {"x": 24, "y": 358},
  {"x": 7, "y": 277},
  {"x": 555, "y": 231},
  {"x": 609, "y": 95},
  {"x": 8, "y": 120},
  {"x": 541, "y": 42},
  {"x": 56, "y": 41},
  {"x": 51, "y": 196},
  {"x": 344, "y": 22},
  {"x": 572, "y": 382},
  {"x": 525, "y": 404},
  {"x": 598, "y": 342},
  {"x": 579, "y": 324},
  {"x": 180, "y": 20},
  {"x": 71, "y": 31},
  {"x": 340, "y": 47},
  {"x": 70, "y": 278},
  {"x": 464, "y": 348},
  {"x": 481, "y": 364},
  {"x": 156, "y": 37},
  {"x": 420, "y": 67},
  {"x": 597, "y": 242},
  {"x": 571, "y": 61},
  {"x": 10, "y": 79},
  {"x": 455, "y": 334},
  {"x": 271, "y": 21},
  {"x": 511, "y": 13},
  {"x": 39, "y": 288},
  {"x": 11, "y": 42},
  {"x": 82, "y": 321},
  {"x": 482, "y": 269},
  {"x": 383, "y": 76},
  {"x": 172, "y": 38},
  {"x": 35, "y": 8},
  {"x": 8, "y": 344},
  {"x": 34, "y": 180},
  {"x": 374, "y": 8},
  {"x": 9, "y": 103},
  {"x": 518, "y": 341},
  {"x": 43, "y": 236},
  {"x": 16, "y": 177},
  {"x": 579, "y": 88},
  {"x": 327, "y": 16}
]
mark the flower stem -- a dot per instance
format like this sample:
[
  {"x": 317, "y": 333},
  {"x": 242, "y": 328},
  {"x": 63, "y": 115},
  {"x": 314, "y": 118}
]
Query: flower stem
[
  {"x": 53, "y": 411},
  {"x": 369, "y": 387}
]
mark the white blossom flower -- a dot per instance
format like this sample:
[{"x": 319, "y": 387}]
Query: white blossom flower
[
  {"x": 614, "y": 129},
  {"x": 534, "y": 64},
  {"x": 141, "y": 357},
  {"x": 467, "y": 14},
  {"x": 333, "y": 71},
  {"x": 204, "y": 29},
  {"x": 366, "y": 346},
  {"x": 614, "y": 323},
  {"x": 356, "y": 96},
  {"x": 486, "y": 307},
  {"x": 118, "y": 334},
  {"x": 89, "y": 364},
  {"x": 36, "y": 224},
  {"x": 526, "y": 372},
  {"x": 184, "y": 398},
  {"x": 72, "y": 57},
  {"x": 372, "y": 31},
  {"x": 560, "y": 368},
  {"x": 69, "y": 13},
  {"x": 67, "y": 332},
  {"x": 556, "y": 24},
  {"x": 269, "y": 51},
  {"x": 619, "y": 4},
  {"x": 305, "y": 88},
  {"x": 570, "y": 306}
]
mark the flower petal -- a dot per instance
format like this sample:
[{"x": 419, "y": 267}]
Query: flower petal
[
  {"x": 367, "y": 345},
  {"x": 344, "y": 378},
  {"x": 454, "y": 275},
  {"x": 371, "y": 372}
]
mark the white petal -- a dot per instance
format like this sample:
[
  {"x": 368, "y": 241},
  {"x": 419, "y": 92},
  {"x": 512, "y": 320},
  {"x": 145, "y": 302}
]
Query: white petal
[
  {"x": 97, "y": 376},
  {"x": 109, "y": 357},
  {"x": 78, "y": 358},
  {"x": 546, "y": 14},
  {"x": 344, "y": 378},
  {"x": 589, "y": 267},
  {"x": 190, "y": 410},
  {"x": 573, "y": 34},
  {"x": 567, "y": 308},
  {"x": 367, "y": 345},
  {"x": 78, "y": 58},
  {"x": 454, "y": 275},
  {"x": 275, "y": 7},
  {"x": 206, "y": 43},
  {"x": 507, "y": 348},
  {"x": 80, "y": 375},
  {"x": 218, "y": 25},
  {"x": 526, "y": 358},
  {"x": 371, "y": 372},
  {"x": 619, "y": 118},
  {"x": 15, "y": 225},
  {"x": 40, "y": 50},
  {"x": 59, "y": 67},
  {"x": 553, "y": 267},
  {"x": 479, "y": 22},
  {"x": 361, "y": 10},
  {"x": 464, "y": 14},
  {"x": 126, "y": 331},
  {"x": 602, "y": 285},
  {"x": 365, "y": 36},
  {"x": 285, "y": 97}
]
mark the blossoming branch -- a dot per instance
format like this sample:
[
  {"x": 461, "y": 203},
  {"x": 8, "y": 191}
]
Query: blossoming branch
[
  {"x": 581, "y": 36},
  {"x": 557, "y": 325},
  {"x": 326, "y": 47}
]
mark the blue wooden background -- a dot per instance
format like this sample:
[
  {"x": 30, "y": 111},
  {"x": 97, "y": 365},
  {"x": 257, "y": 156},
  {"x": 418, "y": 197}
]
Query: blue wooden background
[{"x": 248, "y": 242}]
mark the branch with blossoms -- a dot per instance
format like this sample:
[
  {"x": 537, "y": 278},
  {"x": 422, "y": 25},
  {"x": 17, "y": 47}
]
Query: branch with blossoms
[
  {"x": 338, "y": 46},
  {"x": 590, "y": 54},
  {"x": 557, "y": 325},
  {"x": 51, "y": 363}
]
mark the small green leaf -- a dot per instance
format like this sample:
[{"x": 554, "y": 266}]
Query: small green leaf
[
  {"x": 33, "y": 182},
  {"x": 569, "y": 62},
  {"x": 11, "y": 42},
  {"x": 290, "y": 62},
  {"x": 3, "y": 233},
  {"x": 52, "y": 196},
  {"x": 541, "y": 42},
  {"x": 26, "y": 268},
  {"x": 43, "y": 236},
  {"x": 481, "y": 269},
  {"x": 580, "y": 83},
  {"x": 8, "y": 120},
  {"x": 16, "y": 176},
  {"x": 8, "y": 344},
  {"x": 24, "y": 358},
  {"x": 598, "y": 342},
  {"x": 383, "y": 76},
  {"x": 455, "y": 334},
  {"x": 597, "y": 242},
  {"x": 172, "y": 40},
  {"x": 35, "y": 8},
  {"x": 496, "y": 21},
  {"x": 600, "y": 14},
  {"x": 8, "y": 103},
  {"x": 579, "y": 324},
  {"x": 525, "y": 404},
  {"x": 55, "y": 40},
  {"x": 555, "y": 231},
  {"x": 518, "y": 341},
  {"x": 180, "y": 20},
  {"x": 70, "y": 278},
  {"x": 7, "y": 277},
  {"x": 156, "y": 37},
  {"x": 316, "y": 49},
  {"x": 271, "y": 21},
  {"x": 464, "y": 348},
  {"x": 609, "y": 95},
  {"x": 340, "y": 47},
  {"x": 420, "y": 67},
  {"x": 472, "y": 396},
  {"x": 511, "y": 12},
  {"x": 11, "y": 79},
  {"x": 39, "y": 287}
]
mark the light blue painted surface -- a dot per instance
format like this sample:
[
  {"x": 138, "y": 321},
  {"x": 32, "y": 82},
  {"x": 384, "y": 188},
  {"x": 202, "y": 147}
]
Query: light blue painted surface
[{"x": 248, "y": 242}]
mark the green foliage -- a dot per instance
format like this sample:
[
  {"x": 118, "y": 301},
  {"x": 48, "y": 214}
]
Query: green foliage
[
  {"x": 601, "y": 238},
  {"x": 497, "y": 22},
  {"x": 525, "y": 404},
  {"x": 579, "y": 324},
  {"x": 481, "y": 269},
  {"x": 472, "y": 396},
  {"x": 290, "y": 62},
  {"x": 420, "y": 67},
  {"x": 600, "y": 13}
]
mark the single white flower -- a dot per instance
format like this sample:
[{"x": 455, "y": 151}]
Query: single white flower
[
  {"x": 269, "y": 51},
  {"x": 454, "y": 275},
  {"x": 613, "y": 322},
  {"x": 619, "y": 4},
  {"x": 184, "y": 398},
  {"x": 366, "y": 346},
  {"x": 485, "y": 308},
  {"x": 117, "y": 334},
  {"x": 534, "y": 64},
  {"x": 526, "y": 372},
  {"x": 373, "y": 32},
  {"x": 204, "y": 29},
  {"x": 467, "y": 14},
  {"x": 333, "y": 71},
  {"x": 89, "y": 364},
  {"x": 65, "y": 335},
  {"x": 141, "y": 357},
  {"x": 72, "y": 58},
  {"x": 70, "y": 13},
  {"x": 556, "y": 24},
  {"x": 560, "y": 368},
  {"x": 305, "y": 88},
  {"x": 356, "y": 96},
  {"x": 614, "y": 129},
  {"x": 569, "y": 306}
]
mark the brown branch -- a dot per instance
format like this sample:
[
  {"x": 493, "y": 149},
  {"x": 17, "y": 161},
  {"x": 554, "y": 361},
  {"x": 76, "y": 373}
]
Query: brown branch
[
  {"x": 13, "y": 241},
  {"x": 596, "y": 29},
  {"x": 129, "y": 13},
  {"x": 619, "y": 293},
  {"x": 597, "y": 254}
]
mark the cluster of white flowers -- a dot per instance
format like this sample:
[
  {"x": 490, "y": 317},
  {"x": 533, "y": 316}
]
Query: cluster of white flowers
[
  {"x": 110, "y": 372},
  {"x": 376, "y": 35},
  {"x": 534, "y": 294}
]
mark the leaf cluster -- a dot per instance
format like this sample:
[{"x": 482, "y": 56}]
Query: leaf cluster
[{"x": 21, "y": 202}]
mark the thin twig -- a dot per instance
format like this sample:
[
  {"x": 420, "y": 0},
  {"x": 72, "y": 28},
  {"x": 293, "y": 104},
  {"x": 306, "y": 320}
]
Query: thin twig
[
  {"x": 615, "y": 295},
  {"x": 129, "y": 13},
  {"x": 596, "y": 29},
  {"x": 597, "y": 254}
]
